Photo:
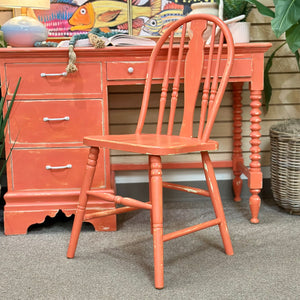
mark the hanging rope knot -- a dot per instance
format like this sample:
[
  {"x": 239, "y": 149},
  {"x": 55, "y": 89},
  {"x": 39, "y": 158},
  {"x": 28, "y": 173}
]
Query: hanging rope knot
[{"x": 71, "y": 68}]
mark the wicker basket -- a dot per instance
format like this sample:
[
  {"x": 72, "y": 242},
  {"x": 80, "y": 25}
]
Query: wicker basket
[{"x": 285, "y": 165}]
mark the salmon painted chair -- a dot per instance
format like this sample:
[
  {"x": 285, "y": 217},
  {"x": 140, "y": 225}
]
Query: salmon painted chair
[{"x": 205, "y": 65}]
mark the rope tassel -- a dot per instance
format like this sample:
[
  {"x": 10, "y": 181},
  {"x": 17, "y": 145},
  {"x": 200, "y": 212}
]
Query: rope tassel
[{"x": 71, "y": 68}]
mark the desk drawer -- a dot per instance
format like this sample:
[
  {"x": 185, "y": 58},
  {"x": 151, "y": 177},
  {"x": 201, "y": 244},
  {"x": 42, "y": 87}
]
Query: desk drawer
[
  {"x": 137, "y": 70},
  {"x": 55, "y": 121},
  {"x": 126, "y": 70},
  {"x": 85, "y": 83},
  {"x": 30, "y": 169}
]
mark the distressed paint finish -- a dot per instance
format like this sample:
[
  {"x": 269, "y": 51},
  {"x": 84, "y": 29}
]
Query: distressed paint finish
[
  {"x": 46, "y": 127},
  {"x": 158, "y": 144},
  {"x": 155, "y": 184},
  {"x": 109, "y": 66},
  {"x": 83, "y": 198}
]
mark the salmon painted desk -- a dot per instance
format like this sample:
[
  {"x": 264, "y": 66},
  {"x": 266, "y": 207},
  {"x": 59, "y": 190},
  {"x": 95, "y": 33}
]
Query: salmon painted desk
[{"x": 53, "y": 111}]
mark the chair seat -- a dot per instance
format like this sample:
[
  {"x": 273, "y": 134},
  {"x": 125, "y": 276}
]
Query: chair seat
[{"x": 151, "y": 144}]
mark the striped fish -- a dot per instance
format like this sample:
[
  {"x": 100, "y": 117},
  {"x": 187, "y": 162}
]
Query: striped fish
[{"x": 159, "y": 23}]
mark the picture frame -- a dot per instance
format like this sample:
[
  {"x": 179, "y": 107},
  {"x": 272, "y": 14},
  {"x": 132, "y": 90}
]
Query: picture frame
[{"x": 148, "y": 18}]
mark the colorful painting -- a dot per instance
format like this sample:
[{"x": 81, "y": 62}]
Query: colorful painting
[{"x": 137, "y": 17}]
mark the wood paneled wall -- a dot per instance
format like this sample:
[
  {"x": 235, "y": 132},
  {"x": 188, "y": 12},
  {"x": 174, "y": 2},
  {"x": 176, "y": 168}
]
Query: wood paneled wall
[
  {"x": 285, "y": 103},
  {"x": 285, "y": 78}
]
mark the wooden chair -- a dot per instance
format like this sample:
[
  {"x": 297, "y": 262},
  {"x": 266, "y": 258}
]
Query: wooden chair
[{"x": 206, "y": 62}]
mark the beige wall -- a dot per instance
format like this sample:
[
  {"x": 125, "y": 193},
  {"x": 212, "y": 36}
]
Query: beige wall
[
  {"x": 5, "y": 14},
  {"x": 285, "y": 78}
]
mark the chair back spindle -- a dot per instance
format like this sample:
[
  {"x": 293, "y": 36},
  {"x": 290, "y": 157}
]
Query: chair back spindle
[{"x": 176, "y": 83}]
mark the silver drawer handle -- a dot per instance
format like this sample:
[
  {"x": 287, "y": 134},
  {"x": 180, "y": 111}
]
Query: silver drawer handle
[
  {"x": 54, "y": 74},
  {"x": 68, "y": 166},
  {"x": 46, "y": 119},
  {"x": 130, "y": 70}
]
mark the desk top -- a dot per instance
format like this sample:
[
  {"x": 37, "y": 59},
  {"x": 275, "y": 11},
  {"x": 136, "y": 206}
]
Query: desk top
[
  {"x": 248, "y": 65},
  {"x": 246, "y": 48}
]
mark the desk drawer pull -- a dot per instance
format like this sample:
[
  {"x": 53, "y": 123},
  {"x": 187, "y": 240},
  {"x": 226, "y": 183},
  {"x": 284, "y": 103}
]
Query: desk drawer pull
[
  {"x": 130, "y": 70},
  {"x": 68, "y": 166},
  {"x": 46, "y": 119},
  {"x": 54, "y": 74}
]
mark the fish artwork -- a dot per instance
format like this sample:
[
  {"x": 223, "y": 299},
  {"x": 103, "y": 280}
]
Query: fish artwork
[
  {"x": 106, "y": 14},
  {"x": 159, "y": 23}
]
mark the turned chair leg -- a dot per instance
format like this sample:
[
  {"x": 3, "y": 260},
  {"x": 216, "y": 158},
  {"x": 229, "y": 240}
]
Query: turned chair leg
[
  {"x": 155, "y": 184},
  {"x": 216, "y": 201},
  {"x": 150, "y": 195},
  {"x": 80, "y": 212}
]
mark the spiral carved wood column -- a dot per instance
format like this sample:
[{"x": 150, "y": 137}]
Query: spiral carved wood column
[
  {"x": 237, "y": 156},
  {"x": 255, "y": 174}
]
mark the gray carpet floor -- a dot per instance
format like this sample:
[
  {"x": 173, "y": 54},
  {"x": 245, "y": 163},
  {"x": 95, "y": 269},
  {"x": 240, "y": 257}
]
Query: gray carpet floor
[{"x": 118, "y": 265}]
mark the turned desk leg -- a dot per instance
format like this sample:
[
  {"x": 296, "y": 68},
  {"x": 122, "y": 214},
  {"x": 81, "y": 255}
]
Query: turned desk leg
[
  {"x": 237, "y": 156},
  {"x": 255, "y": 174}
]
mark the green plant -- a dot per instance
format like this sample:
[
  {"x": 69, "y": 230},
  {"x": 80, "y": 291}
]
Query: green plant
[
  {"x": 286, "y": 19},
  {"x": 234, "y": 8},
  {"x": 3, "y": 122}
]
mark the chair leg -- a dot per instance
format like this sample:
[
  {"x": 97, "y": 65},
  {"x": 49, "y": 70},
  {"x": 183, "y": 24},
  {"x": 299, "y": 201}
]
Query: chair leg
[
  {"x": 216, "y": 201},
  {"x": 150, "y": 196},
  {"x": 155, "y": 184},
  {"x": 80, "y": 212}
]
